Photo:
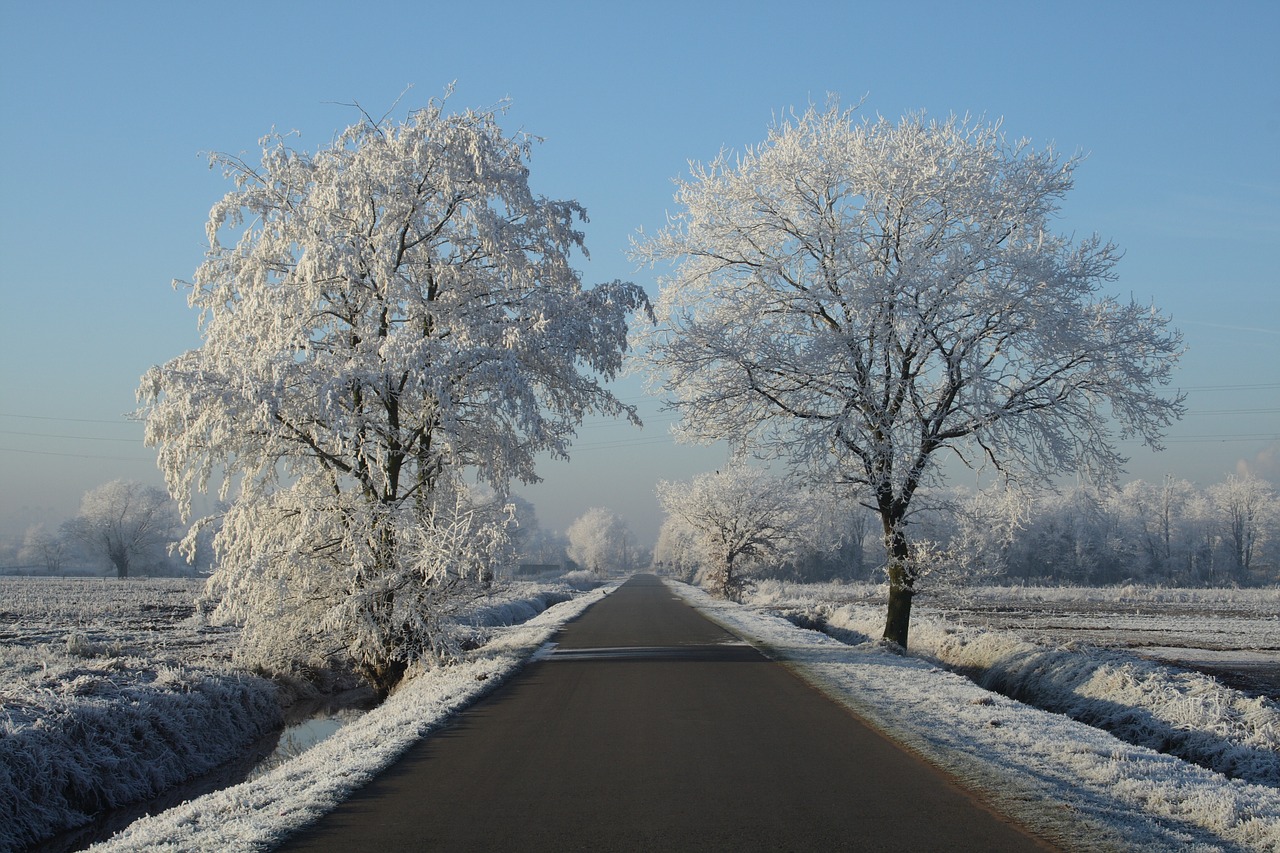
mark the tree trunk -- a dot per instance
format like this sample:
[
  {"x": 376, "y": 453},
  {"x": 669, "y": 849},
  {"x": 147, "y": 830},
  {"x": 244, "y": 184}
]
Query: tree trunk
[
  {"x": 898, "y": 620},
  {"x": 731, "y": 590},
  {"x": 901, "y": 585},
  {"x": 120, "y": 560},
  {"x": 384, "y": 676}
]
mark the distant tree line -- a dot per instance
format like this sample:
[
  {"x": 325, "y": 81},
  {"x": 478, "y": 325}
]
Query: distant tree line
[
  {"x": 599, "y": 541},
  {"x": 1173, "y": 532}
]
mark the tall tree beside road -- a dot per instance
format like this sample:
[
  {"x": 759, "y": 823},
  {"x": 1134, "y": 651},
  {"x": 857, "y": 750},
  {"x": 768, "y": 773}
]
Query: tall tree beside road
[
  {"x": 122, "y": 522},
  {"x": 381, "y": 319},
  {"x": 861, "y": 297}
]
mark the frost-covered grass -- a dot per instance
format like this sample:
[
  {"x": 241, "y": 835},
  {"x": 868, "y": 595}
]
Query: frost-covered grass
[
  {"x": 103, "y": 737},
  {"x": 1076, "y": 784},
  {"x": 259, "y": 814},
  {"x": 1264, "y": 600},
  {"x": 113, "y": 691}
]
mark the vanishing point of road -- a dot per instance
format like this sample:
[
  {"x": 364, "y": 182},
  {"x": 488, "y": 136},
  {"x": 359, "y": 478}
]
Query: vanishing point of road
[{"x": 653, "y": 729}]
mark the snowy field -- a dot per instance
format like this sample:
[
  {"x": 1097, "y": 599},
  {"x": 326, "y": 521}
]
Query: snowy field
[{"x": 113, "y": 692}]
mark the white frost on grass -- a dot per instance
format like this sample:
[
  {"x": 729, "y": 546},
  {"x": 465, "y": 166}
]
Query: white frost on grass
[
  {"x": 259, "y": 814},
  {"x": 109, "y": 695},
  {"x": 103, "y": 739},
  {"x": 1075, "y": 784}
]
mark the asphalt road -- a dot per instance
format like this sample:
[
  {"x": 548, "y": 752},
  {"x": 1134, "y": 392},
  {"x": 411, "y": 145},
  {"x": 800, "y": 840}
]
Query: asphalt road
[{"x": 651, "y": 728}]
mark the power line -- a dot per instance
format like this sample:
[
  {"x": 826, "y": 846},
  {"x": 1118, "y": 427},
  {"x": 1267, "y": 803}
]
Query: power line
[
  {"x": 1221, "y": 439},
  {"x": 1249, "y": 387},
  {"x": 70, "y": 420},
  {"x": 74, "y": 455},
  {"x": 71, "y": 437}
]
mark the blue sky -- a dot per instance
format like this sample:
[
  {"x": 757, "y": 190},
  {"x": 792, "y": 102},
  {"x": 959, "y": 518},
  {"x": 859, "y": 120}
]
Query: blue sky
[{"x": 108, "y": 106}]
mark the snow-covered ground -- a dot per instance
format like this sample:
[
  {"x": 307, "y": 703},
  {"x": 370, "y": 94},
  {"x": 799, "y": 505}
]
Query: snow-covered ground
[{"x": 112, "y": 692}]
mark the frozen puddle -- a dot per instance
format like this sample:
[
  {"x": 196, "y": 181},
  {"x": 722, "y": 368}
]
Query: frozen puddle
[
  {"x": 298, "y": 738},
  {"x": 307, "y": 723}
]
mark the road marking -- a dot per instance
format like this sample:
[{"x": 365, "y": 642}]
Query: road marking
[{"x": 731, "y": 649}]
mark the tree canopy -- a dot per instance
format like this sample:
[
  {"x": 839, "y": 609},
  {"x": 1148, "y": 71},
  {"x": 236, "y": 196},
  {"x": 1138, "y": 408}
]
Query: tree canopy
[
  {"x": 381, "y": 319},
  {"x": 858, "y": 298},
  {"x": 121, "y": 522},
  {"x": 734, "y": 517},
  {"x": 600, "y": 541}
]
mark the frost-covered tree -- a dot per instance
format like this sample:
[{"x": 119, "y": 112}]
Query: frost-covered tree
[
  {"x": 123, "y": 523},
  {"x": 1153, "y": 516},
  {"x": 42, "y": 545},
  {"x": 1247, "y": 509},
  {"x": 601, "y": 541},
  {"x": 866, "y": 298},
  {"x": 676, "y": 551},
  {"x": 382, "y": 320},
  {"x": 969, "y": 535},
  {"x": 737, "y": 516},
  {"x": 535, "y": 544},
  {"x": 831, "y": 544}
]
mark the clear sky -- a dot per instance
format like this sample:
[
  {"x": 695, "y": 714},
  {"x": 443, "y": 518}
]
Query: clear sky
[{"x": 104, "y": 192}]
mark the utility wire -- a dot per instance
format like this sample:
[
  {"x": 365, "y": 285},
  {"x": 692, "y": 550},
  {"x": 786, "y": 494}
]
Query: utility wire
[
  {"x": 72, "y": 437},
  {"x": 74, "y": 455},
  {"x": 72, "y": 420}
]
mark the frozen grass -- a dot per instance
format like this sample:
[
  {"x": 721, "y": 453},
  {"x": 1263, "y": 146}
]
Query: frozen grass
[
  {"x": 114, "y": 691},
  {"x": 1075, "y": 784},
  {"x": 102, "y": 736},
  {"x": 110, "y": 694}
]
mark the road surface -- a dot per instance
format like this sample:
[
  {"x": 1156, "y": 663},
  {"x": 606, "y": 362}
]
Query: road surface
[{"x": 652, "y": 728}]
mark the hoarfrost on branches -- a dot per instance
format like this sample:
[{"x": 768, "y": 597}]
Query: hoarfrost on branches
[
  {"x": 858, "y": 298},
  {"x": 600, "y": 541},
  {"x": 42, "y": 546},
  {"x": 123, "y": 523},
  {"x": 1247, "y": 510},
  {"x": 382, "y": 320},
  {"x": 733, "y": 518}
]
